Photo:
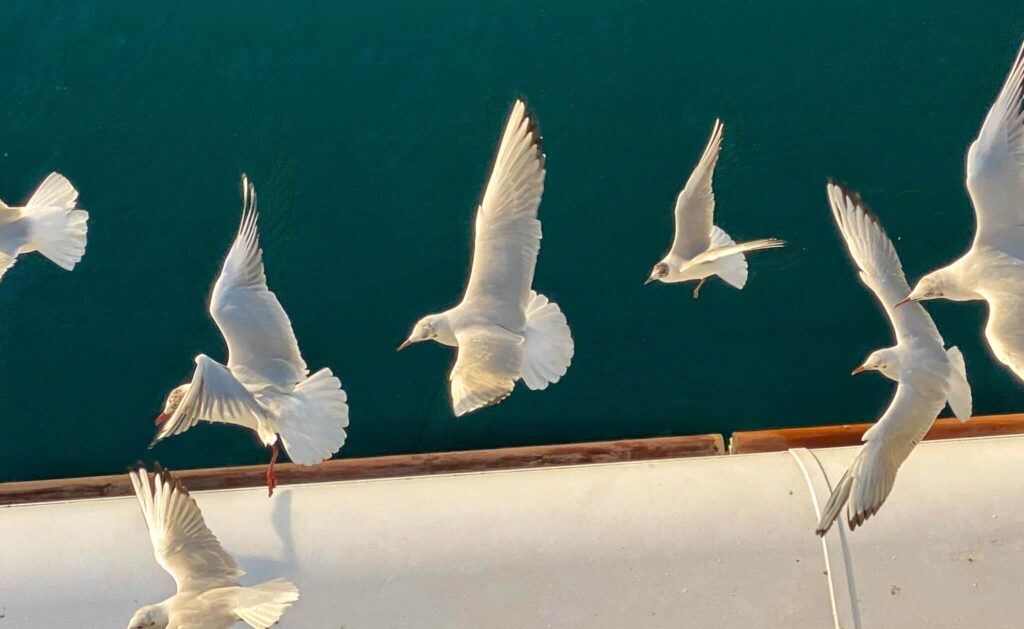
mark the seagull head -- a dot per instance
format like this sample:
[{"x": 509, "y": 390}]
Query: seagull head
[
  {"x": 658, "y": 273},
  {"x": 425, "y": 329},
  {"x": 884, "y": 360},
  {"x": 931, "y": 286},
  {"x": 174, "y": 399},
  {"x": 150, "y": 617}
]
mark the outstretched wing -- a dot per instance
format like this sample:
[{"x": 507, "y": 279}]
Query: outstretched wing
[
  {"x": 695, "y": 205},
  {"x": 1003, "y": 330},
  {"x": 489, "y": 362},
  {"x": 880, "y": 267},
  {"x": 214, "y": 396},
  {"x": 261, "y": 345},
  {"x": 995, "y": 169},
  {"x": 507, "y": 230},
  {"x": 182, "y": 544}
]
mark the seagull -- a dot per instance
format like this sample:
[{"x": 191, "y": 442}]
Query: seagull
[
  {"x": 503, "y": 330},
  {"x": 49, "y": 224},
  {"x": 928, "y": 375},
  {"x": 265, "y": 386},
  {"x": 209, "y": 595},
  {"x": 993, "y": 268},
  {"x": 700, "y": 248}
]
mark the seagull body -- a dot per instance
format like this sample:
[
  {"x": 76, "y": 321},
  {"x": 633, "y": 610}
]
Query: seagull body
[
  {"x": 48, "y": 223},
  {"x": 927, "y": 374},
  {"x": 700, "y": 248},
  {"x": 265, "y": 386},
  {"x": 209, "y": 595},
  {"x": 993, "y": 268},
  {"x": 504, "y": 331}
]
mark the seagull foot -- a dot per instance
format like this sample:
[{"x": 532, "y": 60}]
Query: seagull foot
[
  {"x": 271, "y": 478},
  {"x": 696, "y": 289}
]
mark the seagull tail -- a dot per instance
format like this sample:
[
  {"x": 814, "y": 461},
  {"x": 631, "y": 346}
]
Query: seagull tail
[
  {"x": 57, "y": 230},
  {"x": 549, "y": 344},
  {"x": 865, "y": 486},
  {"x": 261, "y": 606},
  {"x": 733, "y": 269},
  {"x": 312, "y": 423},
  {"x": 959, "y": 395}
]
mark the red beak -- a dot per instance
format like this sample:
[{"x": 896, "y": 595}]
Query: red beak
[
  {"x": 403, "y": 345},
  {"x": 905, "y": 301},
  {"x": 858, "y": 370},
  {"x": 161, "y": 418}
]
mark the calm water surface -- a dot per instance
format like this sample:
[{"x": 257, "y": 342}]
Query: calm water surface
[{"x": 368, "y": 128}]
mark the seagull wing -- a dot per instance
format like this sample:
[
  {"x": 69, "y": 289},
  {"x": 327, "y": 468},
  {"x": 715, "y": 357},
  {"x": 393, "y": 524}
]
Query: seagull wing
[
  {"x": 261, "y": 345},
  {"x": 215, "y": 395},
  {"x": 6, "y": 262},
  {"x": 879, "y": 266},
  {"x": 695, "y": 205},
  {"x": 995, "y": 169},
  {"x": 1003, "y": 330},
  {"x": 868, "y": 482},
  {"x": 507, "y": 230},
  {"x": 489, "y": 362},
  {"x": 182, "y": 544}
]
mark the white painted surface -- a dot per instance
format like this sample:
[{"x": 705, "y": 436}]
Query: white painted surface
[{"x": 722, "y": 542}]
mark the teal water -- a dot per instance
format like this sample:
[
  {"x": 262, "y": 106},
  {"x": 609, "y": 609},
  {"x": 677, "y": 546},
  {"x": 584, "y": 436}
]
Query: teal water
[{"x": 368, "y": 128}]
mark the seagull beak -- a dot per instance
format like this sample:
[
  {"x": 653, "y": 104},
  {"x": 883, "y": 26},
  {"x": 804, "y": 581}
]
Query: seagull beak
[
  {"x": 858, "y": 370},
  {"x": 649, "y": 280},
  {"x": 905, "y": 301},
  {"x": 161, "y": 418},
  {"x": 404, "y": 344}
]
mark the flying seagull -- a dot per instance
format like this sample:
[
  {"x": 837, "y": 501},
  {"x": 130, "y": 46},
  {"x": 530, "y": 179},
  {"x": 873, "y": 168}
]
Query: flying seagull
[
  {"x": 209, "y": 594},
  {"x": 700, "y": 248},
  {"x": 993, "y": 268},
  {"x": 928, "y": 375},
  {"x": 49, "y": 224},
  {"x": 265, "y": 386},
  {"x": 504, "y": 330}
]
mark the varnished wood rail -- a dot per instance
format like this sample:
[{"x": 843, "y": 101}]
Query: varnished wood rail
[
  {"x": 379, "y": 467},
  {"x": 751, "y": 441}
]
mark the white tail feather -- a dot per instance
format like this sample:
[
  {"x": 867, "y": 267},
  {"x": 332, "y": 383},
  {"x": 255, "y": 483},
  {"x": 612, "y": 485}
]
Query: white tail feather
[
  {"x": 733, "y": 269},
  {"x": 549, "y": 344},
  {"x": 312, "y": 422},
  {"x": 57, "y": 230},
  {"x": 263, "y": 605},
  {"x": 959, "y": 395}
]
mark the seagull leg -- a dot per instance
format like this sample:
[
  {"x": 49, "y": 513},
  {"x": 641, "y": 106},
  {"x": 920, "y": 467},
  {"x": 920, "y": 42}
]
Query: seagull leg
[
  {"x": 696, "y": 289},
  {"x": 271, "y": 479}
]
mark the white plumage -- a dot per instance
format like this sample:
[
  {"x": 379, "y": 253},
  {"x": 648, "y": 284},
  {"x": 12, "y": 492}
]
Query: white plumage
[
  {"x": 927, "y": 374},
  {"x": 265, "y": 386},
  {"x": 993, "y": 268},
  {"x": 48, "y": 223},
  {"x": 700, "y": 248},
  {"x": 209, "y": 595},
  {"x": 504, "y": 331}
]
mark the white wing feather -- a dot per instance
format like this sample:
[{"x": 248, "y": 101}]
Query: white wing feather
[
  {"x": 507, "y": 237},
  {"x": 995, "y": 169},
  {"x": 490, "y": 360},
  {"x": 879, "y": 265},
  {"x": 262, "y": 348},
  {"x": 1004, "y": 331},
  {"x": 695, "y": 205},
  {"x": 182, "y": 544},
  {"x": 214, "y": 396}
]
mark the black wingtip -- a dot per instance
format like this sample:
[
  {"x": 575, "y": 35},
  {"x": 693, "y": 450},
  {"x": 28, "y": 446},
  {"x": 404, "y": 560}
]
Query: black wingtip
[
  {"x": 855, "y": 197},
  {"x": 532, "y": 127}
]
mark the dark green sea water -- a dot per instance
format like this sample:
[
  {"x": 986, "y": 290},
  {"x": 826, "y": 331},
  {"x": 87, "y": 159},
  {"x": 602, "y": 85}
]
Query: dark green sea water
[{"x": 368, "y": 128}]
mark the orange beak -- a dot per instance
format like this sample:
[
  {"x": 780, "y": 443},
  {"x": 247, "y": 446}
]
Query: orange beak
[
  {"x": 404, "y": 344},
  {"x": 905, "y": 301},
  {"x": 858, "y": 370}
]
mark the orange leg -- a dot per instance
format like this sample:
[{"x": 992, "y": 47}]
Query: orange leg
[{"x": 271, "y": 479}]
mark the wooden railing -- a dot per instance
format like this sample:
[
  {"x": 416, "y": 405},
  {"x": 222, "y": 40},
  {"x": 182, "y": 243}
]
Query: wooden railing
[{"x": 745, "y": 442}]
